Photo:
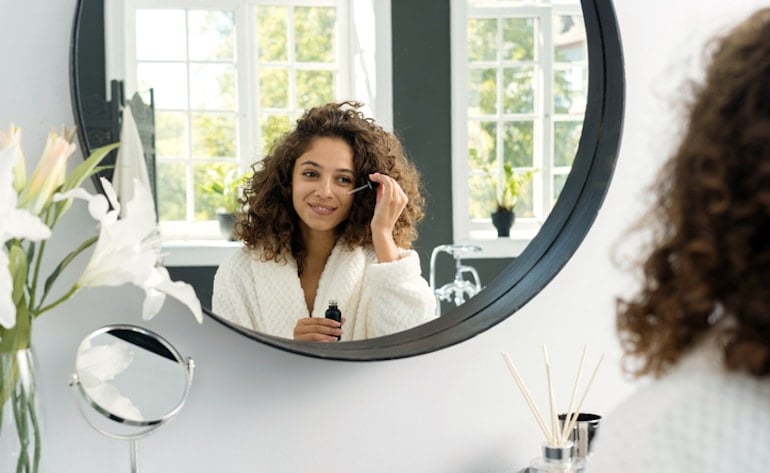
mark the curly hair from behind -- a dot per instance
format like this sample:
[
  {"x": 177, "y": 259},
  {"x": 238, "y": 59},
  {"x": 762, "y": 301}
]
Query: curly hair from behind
[
  {"x": 269, "y": 222},
  {"x": 709, "y": 269}
]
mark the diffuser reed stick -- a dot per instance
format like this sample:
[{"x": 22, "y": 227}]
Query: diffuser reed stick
[
  {"x": 570, "y": 412},
  {"x": 553, "y": 437},
  {"x": 585, "y": 393},
  {"x": 527, "y": 397},
  {"x": 551, "y": 400}
]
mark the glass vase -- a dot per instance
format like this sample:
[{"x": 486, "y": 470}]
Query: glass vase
[{"x": 21, "y": 425}]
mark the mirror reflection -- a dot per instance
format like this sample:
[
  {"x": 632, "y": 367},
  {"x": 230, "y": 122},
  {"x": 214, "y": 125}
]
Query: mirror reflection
[
  {"x": 329, "y": 218},
  {"x": 219, "y": 102},
  {"x": 131, "y": 375}
]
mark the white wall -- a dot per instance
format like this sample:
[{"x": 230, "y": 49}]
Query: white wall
[{"x": 253, "y": 408}]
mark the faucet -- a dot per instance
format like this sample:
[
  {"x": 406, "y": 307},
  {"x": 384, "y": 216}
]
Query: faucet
[{"x": 462, "y": 288}]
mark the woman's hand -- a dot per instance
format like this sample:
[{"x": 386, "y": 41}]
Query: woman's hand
[
  {"x": 391, "y": 201},
  {"x": 318, "y": 329}
]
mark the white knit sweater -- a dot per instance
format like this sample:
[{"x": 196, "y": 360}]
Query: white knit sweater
[
  {"x": 699, "y": 418},
  {"x": 375, "y": 298}
]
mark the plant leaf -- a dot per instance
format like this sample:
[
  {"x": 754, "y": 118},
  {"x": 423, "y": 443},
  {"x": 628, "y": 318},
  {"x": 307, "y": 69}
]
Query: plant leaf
[
  {"x": 18, "y": 266},
  {"x": 87, "y": 168},
  {"x": 66, "y": 261}
]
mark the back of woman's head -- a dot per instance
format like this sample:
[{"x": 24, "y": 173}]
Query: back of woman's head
[
  {"x": 709, "y": 269},
  {"x": 270, "y": 221}
]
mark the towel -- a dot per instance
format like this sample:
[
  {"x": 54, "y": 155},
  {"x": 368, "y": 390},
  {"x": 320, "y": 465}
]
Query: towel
[{"x": 130, "y": 163}]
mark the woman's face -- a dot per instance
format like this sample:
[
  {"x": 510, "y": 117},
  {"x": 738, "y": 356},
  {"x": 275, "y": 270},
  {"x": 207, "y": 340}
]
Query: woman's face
[{"x": 320, "y": 183}]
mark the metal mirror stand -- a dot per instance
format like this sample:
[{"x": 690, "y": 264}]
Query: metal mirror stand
[{"x": 132, "y": 428}]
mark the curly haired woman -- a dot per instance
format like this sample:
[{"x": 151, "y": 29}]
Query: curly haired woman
[
  {"x": 309, "y": 239},
  {"x": 701, "y": 319}
]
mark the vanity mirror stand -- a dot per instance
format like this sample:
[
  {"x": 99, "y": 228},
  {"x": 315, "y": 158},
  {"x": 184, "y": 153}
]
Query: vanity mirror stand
[{"x": 133, "y": 380}]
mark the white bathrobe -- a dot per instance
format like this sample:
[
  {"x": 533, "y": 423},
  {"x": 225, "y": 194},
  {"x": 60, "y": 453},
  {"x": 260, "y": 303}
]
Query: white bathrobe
[{"x": 375, "y": 298}]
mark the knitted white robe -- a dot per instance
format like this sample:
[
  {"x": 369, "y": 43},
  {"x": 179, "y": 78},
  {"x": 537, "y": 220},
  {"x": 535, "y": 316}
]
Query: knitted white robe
[
  {"x": 375, "y": 298},
  {"x": 698, "y": 418}
]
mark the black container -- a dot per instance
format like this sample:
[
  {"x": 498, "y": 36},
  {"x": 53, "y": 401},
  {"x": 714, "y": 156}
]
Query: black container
[{"x": 334, "y": 313}]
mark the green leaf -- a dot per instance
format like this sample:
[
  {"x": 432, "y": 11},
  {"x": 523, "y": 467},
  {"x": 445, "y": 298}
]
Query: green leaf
[
  {"x": 66, "y": 261},
  {"x": 18, "y": 266},
  {"x": 87, "y": 168}
]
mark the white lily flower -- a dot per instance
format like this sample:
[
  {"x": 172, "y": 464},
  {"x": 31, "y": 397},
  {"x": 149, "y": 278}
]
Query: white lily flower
[
  {"x": 96, "y": 366},
  {"x": 128, "y": 249},
  {"x": 49, "y": 173},
  {"x": 13, "y": 137},
  {"x": 14, "y": 223}
]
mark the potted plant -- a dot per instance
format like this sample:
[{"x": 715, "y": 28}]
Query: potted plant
[
  {"x": 508, "y": 188},
  {"x": 224, "y": 190}
]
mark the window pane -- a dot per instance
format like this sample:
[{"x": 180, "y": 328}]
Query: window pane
[
  {"x": 566, "y": 136},
  {"x": 214, "y": 135},
  {"x": 482, "y": 92},
  {"x": 569, "y": 39},
  {"x": 569, "y": 90},
  {"x": 212, "y": 35},
  {"x": 314, "y": 34},
  {"x": 482, "y": 144},
  {"x": 171, "y": 134},
  {"x": 160, "y": 35},
  {"x": 171, "y": 194},
  {"x": 209, "y": 196},
  {"x": 273, "y": 90},
  {"x": 519, "y": 93},
  {"x": 524, "y": 205},
  {"x": 273, "y": 126},
  {"x": 169, "y": 82},
  {"x": 518, "y": 144},
  {"x": 518, "y": 39},
  {"x": 482, "y": 39},
  {"x": 212, "y": 86},
  {"x": 481, "y": 198},
  {"x": 272, "y": 29},
  {"x": 314, "y": 88}
]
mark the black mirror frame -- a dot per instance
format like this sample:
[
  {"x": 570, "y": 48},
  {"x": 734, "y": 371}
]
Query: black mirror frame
[{"x": 561, "y": 234}]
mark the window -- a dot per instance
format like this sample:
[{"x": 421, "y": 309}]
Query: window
[
  {"x": 230, "y": 76},
  {"x": 519, "y": 92}
]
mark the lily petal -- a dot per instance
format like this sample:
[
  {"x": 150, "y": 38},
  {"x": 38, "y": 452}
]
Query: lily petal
[
  {"x": 96, "y": 365},
  {"x": 161, "y": 285},
  {"x": 128, "y": 251},
  {"x": 102, "y": 362},
  {"x": 13, "y": 138},
  {"x": 49, "y": 173}
]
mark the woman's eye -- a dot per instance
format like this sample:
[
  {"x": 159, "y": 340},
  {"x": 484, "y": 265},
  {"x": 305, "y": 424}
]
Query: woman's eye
[
  {"x": 310, "y": 174},
  {"x": 345, "y": 180}
]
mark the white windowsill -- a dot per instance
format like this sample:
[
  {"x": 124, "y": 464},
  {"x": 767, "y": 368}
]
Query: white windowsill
[
  {"x": 493, "y": 246},
  {"x": 197, "y": 252}
]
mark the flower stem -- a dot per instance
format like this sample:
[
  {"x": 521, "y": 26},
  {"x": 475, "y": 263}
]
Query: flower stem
[{"x": 64, "y": 298}]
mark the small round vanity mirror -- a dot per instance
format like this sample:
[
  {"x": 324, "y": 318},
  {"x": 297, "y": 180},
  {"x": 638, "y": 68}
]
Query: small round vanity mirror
[
  {"x": 134, "y": 378},
  {"x": 132, "y": 375}
]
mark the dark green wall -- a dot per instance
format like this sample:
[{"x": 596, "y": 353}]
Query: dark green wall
[{"x": 422, "y": 93}]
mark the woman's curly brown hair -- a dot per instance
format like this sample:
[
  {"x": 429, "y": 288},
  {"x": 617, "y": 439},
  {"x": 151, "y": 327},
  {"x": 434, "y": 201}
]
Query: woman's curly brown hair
[
  {"x": 269, "y": 222},
  {"x": 711, "y": 256}
]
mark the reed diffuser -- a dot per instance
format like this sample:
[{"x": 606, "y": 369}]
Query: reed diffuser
[{"x": 559, "y": 453}]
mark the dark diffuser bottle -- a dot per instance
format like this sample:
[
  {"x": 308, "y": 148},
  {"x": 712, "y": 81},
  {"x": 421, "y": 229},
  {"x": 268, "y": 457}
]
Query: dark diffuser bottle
[{"x": 334, "y": 313}]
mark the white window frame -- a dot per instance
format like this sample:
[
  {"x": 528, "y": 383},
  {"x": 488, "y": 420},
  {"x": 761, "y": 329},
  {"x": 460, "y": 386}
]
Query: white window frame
[
  {"x": 481, "y": 232},
  {"x": 363, "y": 42}
]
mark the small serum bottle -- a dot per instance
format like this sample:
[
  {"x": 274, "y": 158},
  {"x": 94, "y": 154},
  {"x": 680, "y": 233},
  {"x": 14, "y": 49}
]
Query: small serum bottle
[{"x": 334, "y": 313}]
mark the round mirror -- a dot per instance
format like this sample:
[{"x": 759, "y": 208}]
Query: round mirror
[
  {"x": 561, "y": 233},
  {"x": 132, "y": 375}
]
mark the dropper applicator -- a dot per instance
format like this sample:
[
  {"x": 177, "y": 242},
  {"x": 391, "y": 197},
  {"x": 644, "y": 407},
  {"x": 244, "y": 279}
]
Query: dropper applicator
[{"x": 369, "y": 184}]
